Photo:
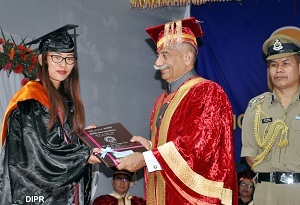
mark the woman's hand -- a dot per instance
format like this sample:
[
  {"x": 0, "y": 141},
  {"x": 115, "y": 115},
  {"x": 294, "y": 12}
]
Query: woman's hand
[
  {"x": 93, "y": 159},
  {"x": 146, "y": 143}
]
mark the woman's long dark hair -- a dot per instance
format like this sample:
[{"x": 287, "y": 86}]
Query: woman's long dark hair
[{"x": 57, "y": 99}]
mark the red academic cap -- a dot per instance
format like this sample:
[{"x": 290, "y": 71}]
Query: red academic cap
[{"x": 176, "y": 32}]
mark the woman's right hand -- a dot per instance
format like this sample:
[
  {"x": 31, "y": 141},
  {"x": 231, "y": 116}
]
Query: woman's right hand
[{"x": 93, "y": 159}]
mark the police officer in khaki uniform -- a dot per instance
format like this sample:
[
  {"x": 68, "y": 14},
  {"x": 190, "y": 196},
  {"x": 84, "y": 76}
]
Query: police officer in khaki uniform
[{"x": 271, "y": 126}]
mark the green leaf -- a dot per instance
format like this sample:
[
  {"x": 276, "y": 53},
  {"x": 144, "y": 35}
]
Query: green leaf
[
  {"x": 2, "y": 34},
  {"x": 13, "y": 39}
]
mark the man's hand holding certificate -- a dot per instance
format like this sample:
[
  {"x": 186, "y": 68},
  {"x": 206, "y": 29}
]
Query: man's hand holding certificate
[{"x": 113, "y": 140}]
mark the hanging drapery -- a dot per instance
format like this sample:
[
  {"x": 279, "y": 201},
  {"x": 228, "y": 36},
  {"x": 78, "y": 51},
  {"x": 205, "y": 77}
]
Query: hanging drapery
[{"x": 161, "y": 3}]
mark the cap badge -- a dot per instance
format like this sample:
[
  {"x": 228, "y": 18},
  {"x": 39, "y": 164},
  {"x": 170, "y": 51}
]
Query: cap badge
[{"x": 277, "y": 45}]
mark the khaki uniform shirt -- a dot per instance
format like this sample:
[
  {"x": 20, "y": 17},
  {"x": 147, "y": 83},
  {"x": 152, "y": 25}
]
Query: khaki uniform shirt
[{"x": 285, "y": 159}]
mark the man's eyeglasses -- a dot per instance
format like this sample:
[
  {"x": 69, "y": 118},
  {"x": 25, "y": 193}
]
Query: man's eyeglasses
[
  {"x": 58, "y": 59},
  {"x": 121, "y": 179},
  {"x": 246, "y": 185}
]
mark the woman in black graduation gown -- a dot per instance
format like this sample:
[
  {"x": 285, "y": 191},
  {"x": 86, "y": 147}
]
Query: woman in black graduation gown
[{"x": 42, "y": 159}]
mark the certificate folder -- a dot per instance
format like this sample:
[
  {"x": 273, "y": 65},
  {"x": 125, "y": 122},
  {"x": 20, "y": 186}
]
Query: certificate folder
[{"x": 114, "y": 139}]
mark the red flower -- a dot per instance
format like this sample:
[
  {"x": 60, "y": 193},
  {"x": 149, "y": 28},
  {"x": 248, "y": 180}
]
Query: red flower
[
  {"x": 7, "y": 66},
  {"x": 24, "y": 81},
  {"x": 18, "y": 58},
  {"x": 24, "y": 58},
  {"x": 37, "y": 76},
  {"x": 33, "y": 60},
  {"x": 1, "y": 47},
  {"x": 30, "y": 68},
  {"x": 21, "y": 47},
  {"x": 18, "y": 69}
]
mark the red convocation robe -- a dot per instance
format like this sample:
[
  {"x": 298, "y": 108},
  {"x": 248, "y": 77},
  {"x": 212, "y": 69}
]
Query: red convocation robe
[{"x": 194, "y": 146}]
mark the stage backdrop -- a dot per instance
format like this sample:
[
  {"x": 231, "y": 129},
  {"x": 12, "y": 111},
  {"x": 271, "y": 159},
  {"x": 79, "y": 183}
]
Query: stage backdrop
[{"x": 231, "y": 49}]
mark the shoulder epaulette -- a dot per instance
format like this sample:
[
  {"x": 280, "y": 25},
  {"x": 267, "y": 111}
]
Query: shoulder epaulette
[{"x": 259, "y": 99}]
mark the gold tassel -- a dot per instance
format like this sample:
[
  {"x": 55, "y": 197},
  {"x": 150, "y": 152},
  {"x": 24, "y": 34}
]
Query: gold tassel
[
  {"x": 170, "y": 36},
  {"x": 179, "y": 31}
]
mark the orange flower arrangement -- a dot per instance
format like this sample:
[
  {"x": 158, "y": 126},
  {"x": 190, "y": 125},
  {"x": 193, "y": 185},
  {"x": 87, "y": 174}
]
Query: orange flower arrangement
[{"x": 18, "y": 59}]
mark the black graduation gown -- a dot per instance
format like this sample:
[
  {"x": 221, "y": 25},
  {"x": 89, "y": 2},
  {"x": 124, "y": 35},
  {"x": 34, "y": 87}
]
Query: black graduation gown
[{"x": 38, "y": 166}]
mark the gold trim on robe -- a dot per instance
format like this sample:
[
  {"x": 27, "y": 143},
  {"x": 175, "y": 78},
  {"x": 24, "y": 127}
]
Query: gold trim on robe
[
  {"x": 194, "y": 181},
  {"x": 121, "y": 200}
]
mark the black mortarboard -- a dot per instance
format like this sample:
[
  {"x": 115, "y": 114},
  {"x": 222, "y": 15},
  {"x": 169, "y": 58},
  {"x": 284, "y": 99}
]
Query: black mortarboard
[{"x": 58, "y": 40}]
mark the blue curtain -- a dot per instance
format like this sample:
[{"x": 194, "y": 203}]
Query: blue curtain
[{"x": 230, "y": 51}]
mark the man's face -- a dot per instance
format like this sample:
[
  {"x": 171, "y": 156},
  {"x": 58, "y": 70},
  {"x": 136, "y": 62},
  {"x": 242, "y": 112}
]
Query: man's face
[
  {"x": 284, "y": 72},
  {"x": 174, "y": 58},
  {"x": 121, "y": 183}
]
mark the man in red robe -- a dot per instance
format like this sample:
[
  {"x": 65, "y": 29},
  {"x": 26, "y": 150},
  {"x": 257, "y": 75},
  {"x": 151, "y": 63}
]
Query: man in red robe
[
  {"x": 191, "y": 155},
  {"x": 121, "y": 182}
]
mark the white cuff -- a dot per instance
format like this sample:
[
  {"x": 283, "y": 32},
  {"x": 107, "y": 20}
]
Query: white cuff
[
  {"x": 151, "y": 162},
  {"x": 150, "y": 144}
]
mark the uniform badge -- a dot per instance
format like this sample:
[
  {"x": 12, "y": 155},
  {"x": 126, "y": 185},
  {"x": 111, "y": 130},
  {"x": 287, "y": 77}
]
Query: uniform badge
[
  {"x": 277, "y": 45},
  {"x": 267, "y": 120}
]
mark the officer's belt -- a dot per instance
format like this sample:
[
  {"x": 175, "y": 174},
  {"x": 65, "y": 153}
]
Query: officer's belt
[{"x": 279, "y": 177}]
